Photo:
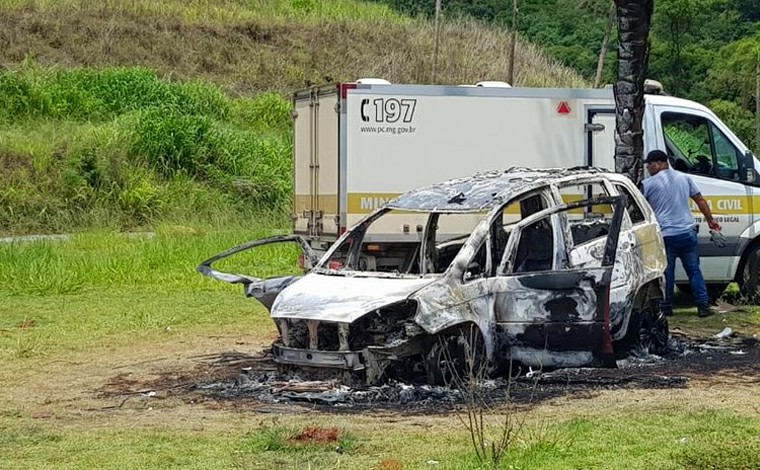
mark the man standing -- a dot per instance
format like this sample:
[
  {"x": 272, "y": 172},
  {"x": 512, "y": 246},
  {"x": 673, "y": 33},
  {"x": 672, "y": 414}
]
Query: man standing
[{"x": 668, "y": 193}]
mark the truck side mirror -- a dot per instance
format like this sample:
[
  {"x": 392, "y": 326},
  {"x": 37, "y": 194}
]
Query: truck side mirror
[{"x": 747, "y": 173}]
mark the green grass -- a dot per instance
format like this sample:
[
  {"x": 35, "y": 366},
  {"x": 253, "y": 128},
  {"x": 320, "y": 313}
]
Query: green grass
[
  {"x": 247, "y": 47},
  {"x": 659, "y": 439},
  {"x": 34, "y": 447},
  {"x": 663, "y": 439},
  {"x": 35, "y": 327}
]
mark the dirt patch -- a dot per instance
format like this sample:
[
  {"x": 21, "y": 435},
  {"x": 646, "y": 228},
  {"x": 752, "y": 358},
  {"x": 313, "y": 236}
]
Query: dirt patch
[
  {"x": 316, "y": 435},
  {"x": 390, "y": 464}
]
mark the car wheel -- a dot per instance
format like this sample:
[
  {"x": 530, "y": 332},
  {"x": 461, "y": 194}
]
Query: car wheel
[
  {"x": 456, "y": 357},
  {"x": 750, "y": 285},
  {"x": 648, "y": 331}
]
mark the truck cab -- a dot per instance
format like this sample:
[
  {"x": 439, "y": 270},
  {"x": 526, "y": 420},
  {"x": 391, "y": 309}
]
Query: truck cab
[{"x": 699, "y": 144}]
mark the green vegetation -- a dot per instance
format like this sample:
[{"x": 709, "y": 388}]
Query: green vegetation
[
  {"x": 104, "y": 288},
  {"x": 247, "y": 47},
  {"x": 663, "y": 439},
  {"x": 222, "y": 11},
  {"x": 121, "y": 148}
]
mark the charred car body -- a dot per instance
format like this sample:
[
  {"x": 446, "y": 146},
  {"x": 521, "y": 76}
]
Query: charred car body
[{"x": 545, "y": 268}]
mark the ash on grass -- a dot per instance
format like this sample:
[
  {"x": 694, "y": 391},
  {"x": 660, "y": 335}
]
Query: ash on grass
[{"x": 257, "y": 379}]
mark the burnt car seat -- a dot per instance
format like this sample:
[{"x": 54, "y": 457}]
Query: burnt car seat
[{"x": 536, "y": 249}]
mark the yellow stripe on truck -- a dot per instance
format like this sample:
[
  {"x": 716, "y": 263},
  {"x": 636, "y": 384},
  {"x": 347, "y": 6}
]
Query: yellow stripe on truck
[
  {"x": 364, "y": 203},
  {"x": 729, "y": 205}
]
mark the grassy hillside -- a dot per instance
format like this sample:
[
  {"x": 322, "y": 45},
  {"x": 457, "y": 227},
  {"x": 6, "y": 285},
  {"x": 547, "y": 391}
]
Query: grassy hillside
[
  {"x": 123, "y": 149},
  {"x": 261, "y": 45},
  {"x": 129, "y": 113}
]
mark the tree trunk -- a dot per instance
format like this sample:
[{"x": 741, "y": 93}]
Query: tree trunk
[
  {"x": 513, "y": 45},
  {"x": 437, "y": 39},
  {"x": 634, "y": 20},
  {"x": 757, "y": 104},
  {"x": 605, "y": 46}
]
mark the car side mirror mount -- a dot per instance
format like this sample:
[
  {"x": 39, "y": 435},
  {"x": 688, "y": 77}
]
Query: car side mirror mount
[
  {"x": 747, "y": 173},
  {"x": 473, "y": 271}
]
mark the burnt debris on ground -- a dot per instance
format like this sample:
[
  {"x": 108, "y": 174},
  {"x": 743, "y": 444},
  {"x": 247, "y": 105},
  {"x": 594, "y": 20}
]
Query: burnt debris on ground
[
  {"x": 258, "y": 379},
  {"x": 240, "y": 379}
]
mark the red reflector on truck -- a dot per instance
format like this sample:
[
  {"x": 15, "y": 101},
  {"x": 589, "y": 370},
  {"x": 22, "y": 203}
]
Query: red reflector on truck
[
  {"x": 563, "y": 108},
  {"x": 344, "y": 87}
]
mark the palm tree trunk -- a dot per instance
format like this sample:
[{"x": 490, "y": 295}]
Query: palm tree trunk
[{"x": 634, "y": 20}]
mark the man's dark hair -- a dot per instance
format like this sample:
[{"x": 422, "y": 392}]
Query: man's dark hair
[{"x": 656, "y": 156}]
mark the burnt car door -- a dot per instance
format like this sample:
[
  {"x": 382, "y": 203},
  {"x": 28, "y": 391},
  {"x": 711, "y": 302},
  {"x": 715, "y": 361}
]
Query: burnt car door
[
  {"x": 547, "y": 312},
  {"x": 264, "y": 290}
]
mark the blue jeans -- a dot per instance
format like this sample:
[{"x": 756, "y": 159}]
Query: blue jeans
[{"x": 684, "y": 246}]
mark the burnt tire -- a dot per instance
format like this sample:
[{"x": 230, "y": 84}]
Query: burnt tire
[
  {"x": 648, "y": 330},
  {"x": 456, "y": 357},
  {"x": 647, "y": 333}
]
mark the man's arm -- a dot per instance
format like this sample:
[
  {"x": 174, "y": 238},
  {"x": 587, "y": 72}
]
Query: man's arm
[{"x": 705, "y": 210}]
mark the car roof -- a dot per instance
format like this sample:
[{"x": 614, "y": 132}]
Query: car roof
[{"x": 483, "y": 191}]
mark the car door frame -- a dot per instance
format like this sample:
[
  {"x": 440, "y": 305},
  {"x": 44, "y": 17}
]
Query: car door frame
[
  {"x": 265, "y": 290},
  {"x": 566, "y": 282}
]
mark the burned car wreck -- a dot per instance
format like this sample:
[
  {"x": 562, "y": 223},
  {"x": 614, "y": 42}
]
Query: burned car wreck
[{"x": 540, "y": 268}]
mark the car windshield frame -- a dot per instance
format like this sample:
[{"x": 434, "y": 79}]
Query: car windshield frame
[{"x": 323, "y": 266}]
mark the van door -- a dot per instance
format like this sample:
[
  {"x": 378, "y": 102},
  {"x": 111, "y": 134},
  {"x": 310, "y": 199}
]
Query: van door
[
  {"x": 315, "y": 149},
  {"x": 600, "y": 140},
  {"x": 701, "y": 146}
]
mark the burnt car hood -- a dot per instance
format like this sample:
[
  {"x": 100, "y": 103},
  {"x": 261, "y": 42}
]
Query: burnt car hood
[{"x": 342, "y": 298}]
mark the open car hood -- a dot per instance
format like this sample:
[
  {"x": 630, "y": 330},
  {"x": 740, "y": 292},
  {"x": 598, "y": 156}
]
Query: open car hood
[{"x": 341, "y": 298}]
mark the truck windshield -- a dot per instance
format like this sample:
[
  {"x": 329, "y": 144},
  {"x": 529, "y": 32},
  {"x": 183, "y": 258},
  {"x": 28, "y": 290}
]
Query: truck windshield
[
  {"x": 404, "y": 242},
  {"x": 696, "y": 145}
]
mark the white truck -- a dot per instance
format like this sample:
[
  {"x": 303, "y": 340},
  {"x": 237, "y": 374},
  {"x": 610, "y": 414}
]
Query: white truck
[{"x": 358, "y": 145}]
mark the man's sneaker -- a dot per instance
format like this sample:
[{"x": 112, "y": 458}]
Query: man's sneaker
[{"x": 704, "y": 311}]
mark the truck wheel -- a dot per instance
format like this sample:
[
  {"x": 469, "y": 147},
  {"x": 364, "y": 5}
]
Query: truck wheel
[
  {"x": 456, "y": 357},
  {"x": 750, "y": 285},
  {"x": 714, "y": 291},
  {"x": 648, "y": 331}
]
